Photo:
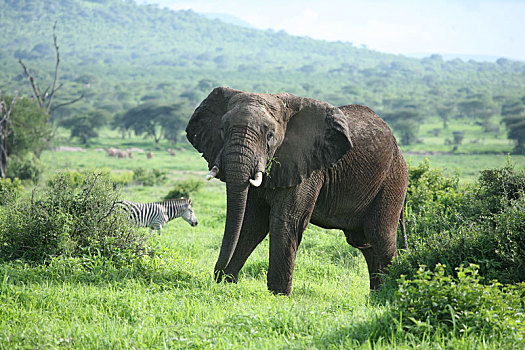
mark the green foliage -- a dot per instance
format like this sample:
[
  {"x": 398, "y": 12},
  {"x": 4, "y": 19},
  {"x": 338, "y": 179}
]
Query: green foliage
[
  {"x": 188, "y": 55},
  {"x": 9, "y": 189},
  {"x": 405, "y": 117},
  {"x": 481, "y": 224},
  {"x": 153, "y": 119},
  {"x": 184, "y": 189},
  {"x": 25, "y": 167},
  {"x": 24, "y": 137},
  {"x": 498, "y": 187},
  {"x": 70, "y": 221},
  {"x": 149, "y": 177},
  {"x": 436, "y": 302},
  {"x": 73, "y": 178},
  {"x": 76, "y": 178},
  {"x": 431, "y": 198},
  {"x": 30, "y": 129},
  {"x": 513, "y": 112},
  {"x": 122, "y": 178},
  {"x": 85, "y": 126}
]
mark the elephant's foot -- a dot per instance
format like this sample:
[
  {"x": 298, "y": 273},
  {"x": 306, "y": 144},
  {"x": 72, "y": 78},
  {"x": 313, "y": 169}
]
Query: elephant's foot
[
  {"x": 280, "y": 289},
  {"x": 375, "y": 282},
  {"x": 221, "y": 276}
]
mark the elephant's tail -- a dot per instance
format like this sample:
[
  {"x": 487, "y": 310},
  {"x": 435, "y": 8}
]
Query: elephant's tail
[{"x": 403, "y": 230}]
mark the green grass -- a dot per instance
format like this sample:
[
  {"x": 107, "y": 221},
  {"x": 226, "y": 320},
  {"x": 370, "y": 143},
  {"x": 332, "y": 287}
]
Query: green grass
[
  {"x": 174, "y": 301},
  {"x": 171, "y": 301}
]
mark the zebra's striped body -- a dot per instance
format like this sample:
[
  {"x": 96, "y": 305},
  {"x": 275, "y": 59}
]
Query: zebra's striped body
[{"x": 155, "y": 215}]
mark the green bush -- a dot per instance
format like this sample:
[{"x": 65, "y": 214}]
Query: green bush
[
  {"x": 497, "y": 187},
  {"x": 147, "y": 177},
  {"x": 9, "y": 189},
  {"x": 76, "y": 178},
  {"x": 184, "y": 189},
  {"x": 28, "y": 167},
  {"x": 438, "y": 302},
  {"x": 122, "y": 178},
  {"x": 432, "y": 201},
  {"x": 72, "y": 221},
  {"x": 481, "y": 224}
]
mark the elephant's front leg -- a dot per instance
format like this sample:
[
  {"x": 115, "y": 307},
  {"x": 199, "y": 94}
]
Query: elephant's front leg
[{"x": 289, "y": 217}]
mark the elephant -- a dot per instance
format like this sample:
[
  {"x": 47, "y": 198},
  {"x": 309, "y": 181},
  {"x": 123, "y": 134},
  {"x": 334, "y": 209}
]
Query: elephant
[{"x": 288, "y": 161}]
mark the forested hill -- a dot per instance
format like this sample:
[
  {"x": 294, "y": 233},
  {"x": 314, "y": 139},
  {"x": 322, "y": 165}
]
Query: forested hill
[{"x": 119, "y": 54}]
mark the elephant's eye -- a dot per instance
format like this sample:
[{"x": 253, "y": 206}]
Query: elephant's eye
[{"x": 270, "y": 138}]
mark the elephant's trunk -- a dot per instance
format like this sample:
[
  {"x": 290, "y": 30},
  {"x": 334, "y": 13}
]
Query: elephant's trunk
[
  {"x": 236, "y": 204},
  {"x": 238, "y": 168}
]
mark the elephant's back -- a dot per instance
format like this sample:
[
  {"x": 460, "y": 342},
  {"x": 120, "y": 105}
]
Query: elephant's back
[{"x": 365, "y": 124}]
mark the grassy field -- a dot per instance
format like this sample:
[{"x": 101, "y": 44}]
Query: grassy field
[
  {"x": 188, "y": 161},
  {"x": 171, "y": 301}
]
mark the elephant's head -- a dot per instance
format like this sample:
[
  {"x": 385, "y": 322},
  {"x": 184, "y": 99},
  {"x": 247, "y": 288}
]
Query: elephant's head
[{"x": 263, "y": 139}]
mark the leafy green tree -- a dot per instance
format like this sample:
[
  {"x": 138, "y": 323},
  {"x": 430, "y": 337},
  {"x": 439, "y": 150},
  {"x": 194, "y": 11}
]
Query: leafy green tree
[
  {"x": 405, "y": 118},
  {"x": 153, "y": 119},
  {"x": 513, "y": 113},
  {"x": 445, "y": 111},
  {"x": 479, "y": 107},
  {"x": 85, "y": 126},
  {"x": 24, "y": 136}
]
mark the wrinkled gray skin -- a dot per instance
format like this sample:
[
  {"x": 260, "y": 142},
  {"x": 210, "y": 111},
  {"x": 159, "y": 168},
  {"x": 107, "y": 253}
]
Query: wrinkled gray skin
[{"x": 334, "y": 167}]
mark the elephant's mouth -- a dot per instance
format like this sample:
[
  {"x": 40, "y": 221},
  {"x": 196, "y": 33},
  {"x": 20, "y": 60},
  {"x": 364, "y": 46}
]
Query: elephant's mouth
[{"x": 256, "y": 181}]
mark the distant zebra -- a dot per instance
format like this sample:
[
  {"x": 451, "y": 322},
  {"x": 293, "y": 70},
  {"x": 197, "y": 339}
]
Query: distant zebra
[{"x": 155, "y": 215}]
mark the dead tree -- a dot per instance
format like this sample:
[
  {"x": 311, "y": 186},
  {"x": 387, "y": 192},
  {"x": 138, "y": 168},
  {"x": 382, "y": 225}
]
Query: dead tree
[
  {"x": 45, "y": 100},
  {"x": 5, "y": 131}
]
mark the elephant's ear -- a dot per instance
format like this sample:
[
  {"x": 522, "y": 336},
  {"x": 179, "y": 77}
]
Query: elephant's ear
[
  {"x": 317, "y": 137},
  {"x": 204, "y": 128}
]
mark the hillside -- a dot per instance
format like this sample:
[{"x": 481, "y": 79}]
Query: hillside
[{"x": 120, "y": 54}]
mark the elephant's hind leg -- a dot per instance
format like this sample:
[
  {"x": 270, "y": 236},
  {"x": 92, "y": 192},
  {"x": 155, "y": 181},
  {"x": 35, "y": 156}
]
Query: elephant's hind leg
[{"x": 380, "y": 230}]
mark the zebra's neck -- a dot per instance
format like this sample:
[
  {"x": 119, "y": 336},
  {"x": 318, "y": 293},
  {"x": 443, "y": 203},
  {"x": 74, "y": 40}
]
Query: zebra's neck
[{"x": 174, "y": 207}]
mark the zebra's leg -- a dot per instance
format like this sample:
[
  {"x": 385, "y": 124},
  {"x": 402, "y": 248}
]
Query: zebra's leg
[{"x": 156, "y": 227}]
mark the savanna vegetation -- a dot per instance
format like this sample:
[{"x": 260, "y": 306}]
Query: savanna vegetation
[{"x": 74, "y": 273}]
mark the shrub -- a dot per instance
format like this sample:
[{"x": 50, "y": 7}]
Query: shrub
[
  {"x": 9, "y": 189},
  {"x": 27, "y": 167},
  {"x": 482, "y": 224},
  {"x": 184, "y": 189},
  {"x": 122, "y": 178},
  {"x": 431, "y": 202},
  {"x": 436, "y": 301},
  {"x": 71, "y": 221},
  {"x": 497, "y": 187},
  {"x": 147, "y": 177},
  {"x": 76, "y": 178}
]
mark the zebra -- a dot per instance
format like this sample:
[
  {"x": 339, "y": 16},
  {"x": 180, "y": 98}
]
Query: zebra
[{"x": 155, "y": 215}]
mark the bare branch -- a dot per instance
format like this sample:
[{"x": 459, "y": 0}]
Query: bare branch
[
  {"x": 53, "y": 90},
  {"x": 46, "y": 101},
  {"x": 36, "y": 91},
  {"x": 67, "y": 103}
]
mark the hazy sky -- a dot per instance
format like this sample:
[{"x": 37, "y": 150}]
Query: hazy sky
[{"x": 491, "y": 28}]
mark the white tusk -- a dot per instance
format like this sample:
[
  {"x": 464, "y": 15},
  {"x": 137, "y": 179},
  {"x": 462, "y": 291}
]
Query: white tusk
[
  {"x": 258, "y": 179},
  {"x": 213, "y": 172}
]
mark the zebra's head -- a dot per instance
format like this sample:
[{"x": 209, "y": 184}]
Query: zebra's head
[{"x": 189, "y": 215}]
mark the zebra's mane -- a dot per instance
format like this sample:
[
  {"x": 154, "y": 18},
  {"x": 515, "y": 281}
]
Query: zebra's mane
[{"x": 175, "y": 201}]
